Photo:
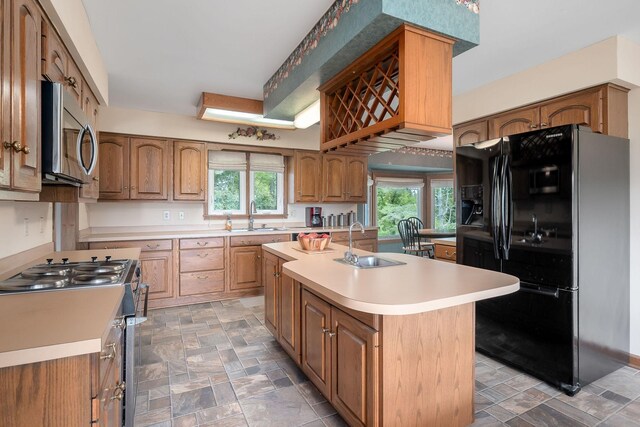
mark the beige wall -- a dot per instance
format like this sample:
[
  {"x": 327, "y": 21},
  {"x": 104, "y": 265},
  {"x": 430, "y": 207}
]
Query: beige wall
[
  {"x": 613, "y": 60},
  {"x": 13, "y": 236},
  {"x": 188, "y": 127}
]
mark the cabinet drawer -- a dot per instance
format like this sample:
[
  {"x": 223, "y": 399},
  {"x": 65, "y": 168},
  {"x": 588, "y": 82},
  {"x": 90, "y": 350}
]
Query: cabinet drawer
[
  {"x": 144, "y": 245},
  {"x": 203, "y": 282},
  {"x": 202, "y": 243},
  {"x": 355, "y": 235},
  {"x": 258, "y": 240},
  {"x": 445, "y": 252},
  {"x": 201, "y": 260}
]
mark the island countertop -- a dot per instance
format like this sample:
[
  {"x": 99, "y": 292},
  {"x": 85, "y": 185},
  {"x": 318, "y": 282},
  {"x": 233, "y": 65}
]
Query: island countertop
[{"x": 418, "y": 286}]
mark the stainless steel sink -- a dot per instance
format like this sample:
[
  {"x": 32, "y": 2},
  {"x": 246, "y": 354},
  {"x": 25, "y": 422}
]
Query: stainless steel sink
[
  {"x": 371, "y": 261},
  {"x": 244, "y": 230}
]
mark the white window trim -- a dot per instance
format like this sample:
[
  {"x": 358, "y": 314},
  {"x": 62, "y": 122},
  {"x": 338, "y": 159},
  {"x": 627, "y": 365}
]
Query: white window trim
[
  {"x": 280, "y": 184},
  {"x": 437, "y": 183},
  {"x": 243, "y": 195}
]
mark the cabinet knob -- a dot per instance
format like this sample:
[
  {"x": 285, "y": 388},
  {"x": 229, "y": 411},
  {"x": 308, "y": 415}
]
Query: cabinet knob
[
  {"x": 543, "y": 124},
  {"x": 6, "y": 145},
  {"x": 533, "y": 126},
  {"x": 17, "y": 147},
  {"x": 71, "y": 81},
  {"x": 133, "y": 187},
  {"x": 258, "y": 256},
  {"x": 332, "y": 334},
  {"x": 111, "y": 354},
  {"x": 120, "y": 323},
  {"x": 126, "y": 188},
  {"x": 325, "y": 330},
  {"x": 96, "y": 179}
]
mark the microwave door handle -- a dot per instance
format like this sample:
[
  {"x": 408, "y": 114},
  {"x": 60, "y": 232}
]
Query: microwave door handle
[
  {"x": 495, "y": 207},
  {"x": 94, "y": 149}
]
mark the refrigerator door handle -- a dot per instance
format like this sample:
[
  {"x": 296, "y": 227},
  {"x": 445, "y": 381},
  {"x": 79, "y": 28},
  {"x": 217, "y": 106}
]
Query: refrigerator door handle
[
  {"x": 507, "y": 207},
  {"x": 495, "y": 207}
]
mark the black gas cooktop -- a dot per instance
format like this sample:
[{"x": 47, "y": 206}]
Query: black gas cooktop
[{"x": 66, "y": 275}]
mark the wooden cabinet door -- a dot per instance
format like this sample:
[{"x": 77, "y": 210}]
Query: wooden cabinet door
[
  {"x": 246, "y": 267},
  {"x": 55, "y": 57},
  {"x": 90, "y": 105},
  {"x": 270, "y": 281},
  {"x": 289, "y": 308},
  {"x": 25, "y": 95},
  {"x": 354, "y": 369},
  {"x": 582, "y": 109},
  {"x": 518, "y": 121},
  {"x": 316, "y": 341},
  {"x": 74, "y": 82},
  {"x": 114, "y": 167},
  {"x": 5, "y": 93},
  {"x": 370, "y": 245},
  {"x": 189, "y": 170},
  {"x": 333, "y": 171},
  {"x": 157, "y": 272},
  {"x": 356, "y": 179},
  {"x": 306, "y": 179},
  {"x": 471, "y": 133},
  {"x": 149, "y": 169}
]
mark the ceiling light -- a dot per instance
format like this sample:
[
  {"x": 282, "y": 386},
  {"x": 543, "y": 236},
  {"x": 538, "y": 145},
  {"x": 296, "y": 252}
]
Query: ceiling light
[
  {"x": 309, "y": 116},
  {"x": 231, "y": 109}
]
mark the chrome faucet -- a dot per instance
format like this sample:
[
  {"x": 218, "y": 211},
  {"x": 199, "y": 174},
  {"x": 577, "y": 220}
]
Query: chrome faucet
[
  {"x": 252, "y": 210},
  {"x": 535, "y": 237},
  {"x": 349, "y": 256}
]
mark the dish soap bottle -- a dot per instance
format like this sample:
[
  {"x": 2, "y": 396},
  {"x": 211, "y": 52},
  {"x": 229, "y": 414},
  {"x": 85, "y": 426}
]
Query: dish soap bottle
[{"x": 228, "y": 225}]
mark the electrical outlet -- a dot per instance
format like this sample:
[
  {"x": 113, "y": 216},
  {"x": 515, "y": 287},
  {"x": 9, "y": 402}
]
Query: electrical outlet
[
  {"x": 166, "y": 215},
  {"x": 41, "y": 225},
  {"x": 26, "y": 227},
  {"x": 181, "y": 215}
]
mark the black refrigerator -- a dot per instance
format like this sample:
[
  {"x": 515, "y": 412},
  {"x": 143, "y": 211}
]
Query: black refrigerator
[{"x": 552, "y": 208}]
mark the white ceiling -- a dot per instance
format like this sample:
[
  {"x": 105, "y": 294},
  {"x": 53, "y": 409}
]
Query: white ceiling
[{"x": 162, "y": 54}]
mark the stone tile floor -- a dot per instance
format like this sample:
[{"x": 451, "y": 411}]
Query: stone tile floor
[{"x": 215, "y": 364}]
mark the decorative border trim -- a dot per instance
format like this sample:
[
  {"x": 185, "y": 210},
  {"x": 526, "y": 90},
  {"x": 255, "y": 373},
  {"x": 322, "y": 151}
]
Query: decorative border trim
[{"x": 419, "y": 151}]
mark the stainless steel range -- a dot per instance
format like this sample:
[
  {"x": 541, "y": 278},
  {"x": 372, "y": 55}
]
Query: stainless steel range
[{"x": 67, "y": 276}]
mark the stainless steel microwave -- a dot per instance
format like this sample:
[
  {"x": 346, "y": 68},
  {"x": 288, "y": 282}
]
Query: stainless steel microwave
[{"x": 69, "y": 143}]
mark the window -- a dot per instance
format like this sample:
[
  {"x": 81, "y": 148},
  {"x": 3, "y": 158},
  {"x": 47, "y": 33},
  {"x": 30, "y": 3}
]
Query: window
[
  {"x": 443, "y": 204},
  {"x": 237, "y": 178},
  {"x": 396, "y": 199}
]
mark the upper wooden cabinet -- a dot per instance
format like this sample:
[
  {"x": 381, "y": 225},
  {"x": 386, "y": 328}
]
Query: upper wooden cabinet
[
  {"x": 134, "y": 168},
  {"x": 189, "y": 170},
  {"x": 397, "y": 93},
  {"x": 603, "y": 108},
  {"x": 306, "y": 181},
  {"x": 5, "y": 93},
  {"x": 470, "y": 133},
  {"x": 344, "y": 178},
  {"x": 21, "y": 71}
]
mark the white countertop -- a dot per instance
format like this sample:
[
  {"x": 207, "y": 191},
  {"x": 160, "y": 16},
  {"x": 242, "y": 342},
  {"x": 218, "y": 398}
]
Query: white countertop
[
  {"x": 418, "y": 286},
  {"x": 123, "y": 234},
  {"x": 39, "y": 326}
]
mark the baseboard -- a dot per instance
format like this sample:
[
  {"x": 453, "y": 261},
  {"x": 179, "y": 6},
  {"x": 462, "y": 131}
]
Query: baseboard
[
  {"x": 14, "y": 264},
  {"x": 634, "y": 361}
]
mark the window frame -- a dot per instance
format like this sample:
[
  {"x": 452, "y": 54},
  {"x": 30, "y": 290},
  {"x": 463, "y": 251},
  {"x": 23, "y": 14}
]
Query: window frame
[
  {"x": 436, "y": 177},
  {"x": 248, "y": 190}
]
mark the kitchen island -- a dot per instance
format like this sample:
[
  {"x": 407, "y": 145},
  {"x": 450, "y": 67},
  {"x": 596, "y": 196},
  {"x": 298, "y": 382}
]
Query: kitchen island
[{"x": 386, "y": 346}]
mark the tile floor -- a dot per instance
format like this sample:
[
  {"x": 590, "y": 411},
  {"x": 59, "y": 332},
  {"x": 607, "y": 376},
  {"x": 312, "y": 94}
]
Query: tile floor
[{"x": 215, "y": 364}]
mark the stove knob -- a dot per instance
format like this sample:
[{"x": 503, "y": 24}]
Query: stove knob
[
  {"x": 49, "y": 261},
  {"x": 65, "y": 260},
  {"x": 94, "y": 258},
  {"x": 108, "y": 258}
]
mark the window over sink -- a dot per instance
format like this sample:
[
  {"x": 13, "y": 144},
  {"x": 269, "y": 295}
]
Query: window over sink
[{"x": 237, "y": 178}]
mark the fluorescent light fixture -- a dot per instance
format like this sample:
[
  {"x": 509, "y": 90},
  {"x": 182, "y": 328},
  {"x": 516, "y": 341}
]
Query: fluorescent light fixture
[
  {"x": 308, "y": 116},
  {"x": 232, "y": 109}
]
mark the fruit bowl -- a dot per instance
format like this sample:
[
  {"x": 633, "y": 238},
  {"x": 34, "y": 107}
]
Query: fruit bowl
[{"x": 313, "y": 241}]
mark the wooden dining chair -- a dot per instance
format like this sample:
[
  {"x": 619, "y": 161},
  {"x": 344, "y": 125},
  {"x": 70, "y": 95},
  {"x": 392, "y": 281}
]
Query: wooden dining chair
[{"x": 411, "y": 243}]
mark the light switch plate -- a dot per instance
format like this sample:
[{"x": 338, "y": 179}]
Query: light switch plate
[
  {"x": 180, "y": 215},
  {"x": 166, "y": 215}
]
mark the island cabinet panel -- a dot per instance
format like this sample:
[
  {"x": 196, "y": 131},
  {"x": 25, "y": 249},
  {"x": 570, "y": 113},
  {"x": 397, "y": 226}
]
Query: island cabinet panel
[
  {"x": 189, "y": 170},
  {"x": 270, "y": 271},
  {"x": 354, "y": 353},
  {"x": 427, "y": 369},
  {"x": 246, "y": 267},
  {"x": 316, "y": 341},
  {"x": 150, "y": 169},
  {"x": 306, "y": 181},
  {"x": 289, "y": 311}
]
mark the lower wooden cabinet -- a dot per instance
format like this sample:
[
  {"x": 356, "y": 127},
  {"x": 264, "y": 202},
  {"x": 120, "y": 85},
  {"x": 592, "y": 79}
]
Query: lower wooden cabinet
[
  {"x": 271, "y": 275},
  {"x": 445, "y": 253},
  {"x": 367, "y": 241},
  {"x": 246, "y": 267},
  {"x": 157, "y": 272},
  {"x": 340, "y": 356},
  {"x": 202, "y": 262}
]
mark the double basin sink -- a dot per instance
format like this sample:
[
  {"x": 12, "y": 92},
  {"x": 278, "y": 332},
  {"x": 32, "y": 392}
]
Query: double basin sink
[{"x": 370, "y": 261}]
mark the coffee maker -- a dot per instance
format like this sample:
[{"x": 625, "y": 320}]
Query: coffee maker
[{"x": 313, "y": 217}]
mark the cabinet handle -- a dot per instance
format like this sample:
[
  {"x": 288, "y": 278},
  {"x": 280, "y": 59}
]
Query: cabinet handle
[
  {"x": 120, "y": 323},
  {"x": 156, "y": 246},
  {"x": 203, "y": 255},
  {"x": 325, "y": 330},
  {"x": 543, "y": 124},
  {"x": 202, "y": 277},
  {"x": 446, "y": 252},
  {"x": 112, "y": 353},
  {"x": 17, "y": 147},
  {"x": 202, "y": 243},
  {"x": 126, "y": 188},
  {"x": 71, "y": 81},
  {"x": 95, "y": 178},
  {"x": 118, "y": 393},
  {"x": 122, "y": 386},
  {"x": 533, "y": 126},
  {"x": 276, "y": 274},
  {"x": 132, "y": 187},
  {"x": 258, "y": 256},
  {"x": 6, "y": 145},
  {"x": 332, "y": 334}
]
